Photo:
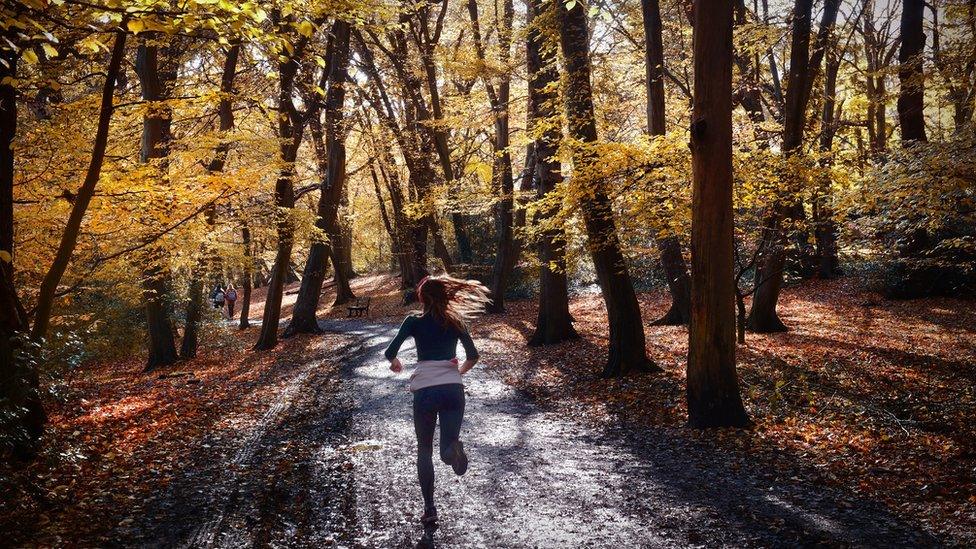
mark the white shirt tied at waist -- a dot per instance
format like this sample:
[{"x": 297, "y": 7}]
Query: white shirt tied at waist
[{"x": 434, "y": 372}]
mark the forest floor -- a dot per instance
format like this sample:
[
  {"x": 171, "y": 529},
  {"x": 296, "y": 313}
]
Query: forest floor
[{"x": 864, "y": 436}]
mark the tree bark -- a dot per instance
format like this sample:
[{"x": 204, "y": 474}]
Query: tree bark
[
  {"x": 713, "y": 388},
  {"x": 654, "y": 66},
  {"x": 911, "y": 75},
  {"x": 825, "y": 229},
  {"x": 502, "y": 177},
  {"x": 672, "y": 260},
  {"x": 627, "y": 344},
  {"x": 248, "y": 277},
  {"x": 333, "y": 186},
  {"x": 69, "y": 237},
  {"x": 554, "y": 323},
  {"x": 156, "y": 82},
  {"x": 290, "y": 130},
  {"x": 225, "y": 113},
  {"x": 22, "y": 416},
  {"x": 763, "y": 317}
]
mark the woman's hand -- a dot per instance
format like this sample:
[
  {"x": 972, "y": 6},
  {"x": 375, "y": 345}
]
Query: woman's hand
[
  {"x": 466, "y": 367},
  {"x": 396, "y": 365}
]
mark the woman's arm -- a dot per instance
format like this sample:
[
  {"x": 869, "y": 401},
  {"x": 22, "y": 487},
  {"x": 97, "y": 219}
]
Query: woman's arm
[
  {"x": 470, "y": 352},
  {"x": 394, "y": 347}
]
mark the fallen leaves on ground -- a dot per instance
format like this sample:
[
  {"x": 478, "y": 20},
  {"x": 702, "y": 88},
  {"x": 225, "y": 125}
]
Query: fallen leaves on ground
[
  {"x": 873, "y": 396},
  {"x": 121, "y": 435}
]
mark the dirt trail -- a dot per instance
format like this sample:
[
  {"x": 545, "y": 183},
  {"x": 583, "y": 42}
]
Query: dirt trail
[{"x": 330, "y": 463}]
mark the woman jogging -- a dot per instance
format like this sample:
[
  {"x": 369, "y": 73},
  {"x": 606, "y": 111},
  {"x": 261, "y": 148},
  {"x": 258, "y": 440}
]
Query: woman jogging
[{"x": 436, "y": 382}]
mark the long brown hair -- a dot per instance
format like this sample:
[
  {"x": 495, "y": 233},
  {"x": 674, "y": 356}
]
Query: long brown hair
[{"x": 452, "y": 300}]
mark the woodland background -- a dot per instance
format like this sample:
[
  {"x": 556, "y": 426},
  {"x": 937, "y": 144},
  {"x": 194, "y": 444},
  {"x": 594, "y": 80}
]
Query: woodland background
[{"x": 151, "y": 150}]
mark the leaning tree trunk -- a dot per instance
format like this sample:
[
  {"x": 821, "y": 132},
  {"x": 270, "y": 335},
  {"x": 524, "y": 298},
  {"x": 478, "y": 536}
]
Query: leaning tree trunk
[
  {"x": 22, "y": 415},
  {"x": 290, "y": 129},
  {"x": 627, "y": 344},
  {"x": 672, "y": 260},
  {"x": 713, "y": 388},
  {"x": 554, "y": 323},
  {"x": 156, "y": 135},
  {"x": 911, "y": 76},
  {"x": 225, "y": 112},
  {"x": 69, "y": 237},
  {"x": 332, "y": 188}
]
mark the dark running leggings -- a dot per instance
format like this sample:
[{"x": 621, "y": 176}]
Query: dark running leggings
[{"x": 446, "y": 401}]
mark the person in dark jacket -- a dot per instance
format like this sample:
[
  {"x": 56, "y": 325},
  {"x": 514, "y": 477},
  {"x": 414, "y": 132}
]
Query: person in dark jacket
[{"x": 436, "y": 383}]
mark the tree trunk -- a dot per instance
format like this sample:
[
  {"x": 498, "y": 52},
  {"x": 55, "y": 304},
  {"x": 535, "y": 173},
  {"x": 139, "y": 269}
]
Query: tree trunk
[
  {"x": 69, "y": 238},
  {"x": 156, "y": 85},
  {"x": 554, "y": 323},
  {"x": 290, "y": 130},
  {"x": 502, "y": 164},
  {"x": 672, "y": 260},
  {"x": 877, "y": 123},
  {"x": 627, "y": 344},
  {"x": 22, "y": 415},
  {"x": 803, "y": 69},
  {"x": 345, "y": 234},
  {"x": 654, "y": 66},
  {"x": 420, "y": 175},
  {"x": 427, "y": 45},
  {"x": 248, "y": 277},
  {"x": 194, "y": 310},
  {"x": 332, "y": 189},
  {"x": 400, "y": 225},
  {"x": 825, "y": 229},
  {"x": 911, "y": 76},
  {"x": 162, "y": 344},
  {"x": 225, "y": 112},
  {"x": 713, "y": 387}
]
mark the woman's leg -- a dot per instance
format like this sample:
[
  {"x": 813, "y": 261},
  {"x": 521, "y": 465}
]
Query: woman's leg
[
  {"x": 451, "y": 413},
  {"x": 424, "y": 421}
]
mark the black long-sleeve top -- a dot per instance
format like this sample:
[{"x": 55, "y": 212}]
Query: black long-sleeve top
[{"x": 434, "y": 340}]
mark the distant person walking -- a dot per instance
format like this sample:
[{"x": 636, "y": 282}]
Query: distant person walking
[
  {"x": 217, "y": 297},
  {"x": 436, "y": 381},
  {"x": 230, "y": 296}
]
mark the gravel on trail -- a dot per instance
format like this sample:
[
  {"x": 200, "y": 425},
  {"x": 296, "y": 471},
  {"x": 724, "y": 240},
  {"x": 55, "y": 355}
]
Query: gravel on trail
[{"x": 329, "y": 461}]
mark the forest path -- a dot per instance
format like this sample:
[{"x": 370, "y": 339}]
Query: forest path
[{"x": 330, "y": 463}]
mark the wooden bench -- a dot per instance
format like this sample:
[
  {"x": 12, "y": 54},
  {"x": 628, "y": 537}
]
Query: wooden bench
[{"x": 360, "y": 307}]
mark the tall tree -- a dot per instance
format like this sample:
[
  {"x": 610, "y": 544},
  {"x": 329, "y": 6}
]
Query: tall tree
[
  {"x": 69, "y": 236},
  {"x": 332, "y": 188},
  {"x": 713, "y": 387},
  {"x": 156, "y": 79},
  {"x": 225, "y": 115},
  {"x": 554, "y": 322},
  {"x": 804, "y": 69},
  {"x": 502, "y": 158},
  {"x": 247, "y": 281},
  {"x": 427, "y": 40},
  {"x": 825, "y": 230},
  {"x": 22, "y": 415},
  {"x": 672, "y": 260},
  {"x": 291, "y": 127},
  {"x": 414, "y": 138},
  {"x": 627, "y": 343},
  {"x": 911, "y": 73}
]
